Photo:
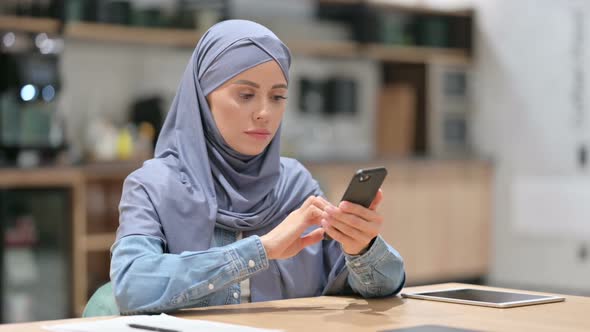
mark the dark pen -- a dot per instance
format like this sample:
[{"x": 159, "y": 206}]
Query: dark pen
[{"x": 151, "y": 328}]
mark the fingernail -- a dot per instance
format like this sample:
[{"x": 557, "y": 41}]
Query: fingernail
[
  {"x": 330, "y": 209},
  {"x": 324, "y": 223}
]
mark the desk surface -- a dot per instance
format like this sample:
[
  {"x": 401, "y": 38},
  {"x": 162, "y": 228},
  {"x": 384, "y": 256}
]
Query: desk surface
[{"x": 354, "y": 314}]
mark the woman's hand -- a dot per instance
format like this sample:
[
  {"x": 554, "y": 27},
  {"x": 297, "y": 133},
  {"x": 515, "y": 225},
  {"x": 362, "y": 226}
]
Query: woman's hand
[
  {"x": 285, "y": 240},
  {"x": 353, "y": 225}
]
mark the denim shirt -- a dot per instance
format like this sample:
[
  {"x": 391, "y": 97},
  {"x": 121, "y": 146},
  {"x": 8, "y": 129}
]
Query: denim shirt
[{"x": 146, "y": 279}]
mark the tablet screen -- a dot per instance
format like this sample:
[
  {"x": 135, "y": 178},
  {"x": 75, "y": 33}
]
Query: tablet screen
[{"x": 483, "y": 295}]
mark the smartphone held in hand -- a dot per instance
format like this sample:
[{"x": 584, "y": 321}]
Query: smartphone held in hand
[{"x": 363, "y": 187}]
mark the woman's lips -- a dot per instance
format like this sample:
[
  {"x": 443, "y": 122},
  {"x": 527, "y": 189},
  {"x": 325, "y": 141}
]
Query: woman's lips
[{"x": 259, "y": 134}]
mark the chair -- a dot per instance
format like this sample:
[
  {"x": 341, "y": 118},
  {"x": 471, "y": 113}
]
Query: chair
[{"x": 102, "y": 303}]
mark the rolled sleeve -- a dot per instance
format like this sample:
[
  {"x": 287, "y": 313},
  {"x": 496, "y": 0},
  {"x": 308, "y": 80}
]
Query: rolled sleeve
[
  {"x": 359, "y": 263},
  {"x": 377, "y": 272}
]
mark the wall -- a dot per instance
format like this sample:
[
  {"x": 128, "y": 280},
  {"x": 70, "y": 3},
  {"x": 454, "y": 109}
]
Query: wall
[
  {"x": 528, "y": 53},
  {"x": 101, "y": 80}
]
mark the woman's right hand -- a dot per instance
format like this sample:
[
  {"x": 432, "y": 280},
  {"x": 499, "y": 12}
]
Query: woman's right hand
[{"x": 285, "y": 240}]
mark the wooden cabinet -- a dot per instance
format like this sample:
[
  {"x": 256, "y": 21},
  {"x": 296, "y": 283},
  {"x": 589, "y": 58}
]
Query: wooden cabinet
[
  {"x": 437, "y": 214},
  {"x": 94, "y": 192}
]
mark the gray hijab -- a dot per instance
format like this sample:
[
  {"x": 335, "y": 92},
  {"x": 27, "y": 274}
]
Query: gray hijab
[
  {"x": 195, "y": 181},
  {"x": 239, "y": 184}
]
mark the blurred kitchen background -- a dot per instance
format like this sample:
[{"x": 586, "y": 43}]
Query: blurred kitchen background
[{"x": 479, "y": 109}]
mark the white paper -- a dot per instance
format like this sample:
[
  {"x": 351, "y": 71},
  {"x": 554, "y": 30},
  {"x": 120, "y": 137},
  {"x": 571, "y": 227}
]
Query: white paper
[{"x": 121, "y": 324}]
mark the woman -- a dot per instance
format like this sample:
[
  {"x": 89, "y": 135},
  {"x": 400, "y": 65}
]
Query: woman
[{"x": 218, "y": 217}]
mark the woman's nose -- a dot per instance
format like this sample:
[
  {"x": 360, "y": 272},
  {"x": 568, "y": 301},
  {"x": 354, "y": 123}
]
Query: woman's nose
[{"x": 263, "y": 113}]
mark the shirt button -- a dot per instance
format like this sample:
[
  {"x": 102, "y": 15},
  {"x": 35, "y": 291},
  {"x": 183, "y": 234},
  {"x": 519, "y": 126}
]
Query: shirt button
[
  {"x": 236, "y": 295},
  {"x": 251, "y": 263},
  {"x": 211, "y": 286}
]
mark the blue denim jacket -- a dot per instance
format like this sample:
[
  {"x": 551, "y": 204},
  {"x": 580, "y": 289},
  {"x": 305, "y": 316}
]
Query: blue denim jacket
[{"x": 147, "y": 279}]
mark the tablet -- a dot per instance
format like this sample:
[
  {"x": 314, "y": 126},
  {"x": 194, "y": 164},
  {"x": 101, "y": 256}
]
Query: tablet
[{"x": 485, "y": 298}]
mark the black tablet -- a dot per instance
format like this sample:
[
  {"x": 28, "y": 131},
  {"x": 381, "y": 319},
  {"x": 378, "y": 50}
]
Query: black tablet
[{"x": 484, "y": 297}]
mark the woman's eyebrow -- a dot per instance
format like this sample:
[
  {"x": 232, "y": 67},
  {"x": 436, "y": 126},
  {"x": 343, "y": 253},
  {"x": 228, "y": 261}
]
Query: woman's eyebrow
[
  {"x": 280, "y": 86},
  {"x": 256, "y": 85}
]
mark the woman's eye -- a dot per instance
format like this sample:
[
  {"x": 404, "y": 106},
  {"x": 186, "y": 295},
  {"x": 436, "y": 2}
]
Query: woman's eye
[
  {"x": 246, "y": 96},
  {"x": 279, "y": 98}
]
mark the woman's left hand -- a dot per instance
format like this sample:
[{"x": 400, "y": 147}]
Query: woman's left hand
[{"x": 353, "y": 225}]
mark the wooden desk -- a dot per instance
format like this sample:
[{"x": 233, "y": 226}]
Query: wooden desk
[{"x": 353, "y": 314}]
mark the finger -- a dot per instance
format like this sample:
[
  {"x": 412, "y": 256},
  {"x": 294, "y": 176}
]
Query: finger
[
  {"x": 313, "y": 237},
  {"x": 312, "y": 212},
  {"x": 349, "y": 231},
  {"x": 308, "y": 202},
  {"x": 336, "y": 234},
  {"x": 350, "y": 219},
  {"x": 311, "y": 216},
  {"x": 378, "y": 199},
  {"x": 321, "y": 202},
  {"x": 360, "y": 211}
]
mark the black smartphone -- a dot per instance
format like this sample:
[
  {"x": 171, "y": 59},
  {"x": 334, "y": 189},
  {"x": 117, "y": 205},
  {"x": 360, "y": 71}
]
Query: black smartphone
[{"x": 363, "y": 187}]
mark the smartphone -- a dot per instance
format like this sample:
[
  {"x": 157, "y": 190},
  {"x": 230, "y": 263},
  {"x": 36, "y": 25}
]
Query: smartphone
[{"x": 363, "y": 187}]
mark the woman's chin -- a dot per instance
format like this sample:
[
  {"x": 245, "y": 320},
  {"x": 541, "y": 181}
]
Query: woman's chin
[{"x": 251, "y": 151}]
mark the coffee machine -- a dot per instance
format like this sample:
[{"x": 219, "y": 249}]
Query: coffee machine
[{"x": 31, "y": 130}]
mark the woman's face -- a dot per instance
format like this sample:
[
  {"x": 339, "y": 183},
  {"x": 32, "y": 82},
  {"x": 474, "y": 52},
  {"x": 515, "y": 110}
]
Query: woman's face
[{"x": 248, "y": 108}]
